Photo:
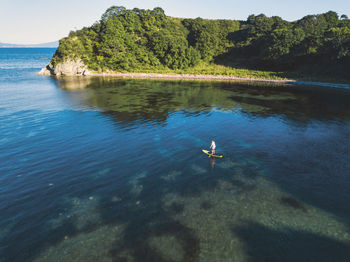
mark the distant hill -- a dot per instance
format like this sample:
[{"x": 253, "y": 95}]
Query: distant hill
[{"x": 50, "y": 44}]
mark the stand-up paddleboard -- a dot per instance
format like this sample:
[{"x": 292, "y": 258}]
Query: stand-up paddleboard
[{"x": 210, "y": 154}]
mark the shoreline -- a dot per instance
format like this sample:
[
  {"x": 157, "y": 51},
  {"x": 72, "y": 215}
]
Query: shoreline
[
  {"x": 217, "y": 78},
  {"x": 167, "y": 76}
]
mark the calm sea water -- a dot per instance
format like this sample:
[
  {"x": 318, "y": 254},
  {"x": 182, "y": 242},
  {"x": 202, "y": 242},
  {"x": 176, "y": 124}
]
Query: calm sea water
[{"x": 112, "y": 170}]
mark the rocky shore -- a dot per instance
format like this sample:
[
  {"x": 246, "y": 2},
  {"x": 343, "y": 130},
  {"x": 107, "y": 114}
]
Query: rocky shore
[
  {"x": 78, "y": 68},
  {"x": 68, "y": 68}
]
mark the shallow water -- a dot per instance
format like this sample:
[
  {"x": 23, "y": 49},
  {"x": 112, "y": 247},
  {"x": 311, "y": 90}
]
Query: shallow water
[{"x": 112, "y": 170}]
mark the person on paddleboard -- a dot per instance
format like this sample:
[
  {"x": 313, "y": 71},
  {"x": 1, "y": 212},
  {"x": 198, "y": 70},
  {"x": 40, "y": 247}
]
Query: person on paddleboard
[{"x": 213, "y": 146}]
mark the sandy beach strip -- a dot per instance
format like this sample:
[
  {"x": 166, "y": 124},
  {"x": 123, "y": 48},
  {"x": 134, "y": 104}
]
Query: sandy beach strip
[{"x": 217, "y": 78}]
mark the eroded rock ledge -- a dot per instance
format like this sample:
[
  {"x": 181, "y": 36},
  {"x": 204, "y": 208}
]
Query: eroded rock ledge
[{"x": 67, "y": 68}]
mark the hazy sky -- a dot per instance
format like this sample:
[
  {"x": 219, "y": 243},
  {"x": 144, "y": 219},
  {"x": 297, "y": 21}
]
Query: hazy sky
[{"x": 39, "y": 21}]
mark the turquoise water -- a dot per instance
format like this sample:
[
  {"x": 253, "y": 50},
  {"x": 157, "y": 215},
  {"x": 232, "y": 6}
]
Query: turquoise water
[{"x": 112, "y": 170}]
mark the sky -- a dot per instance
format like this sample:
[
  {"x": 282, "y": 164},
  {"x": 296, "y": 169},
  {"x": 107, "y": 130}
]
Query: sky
[{"x": 41, "y": 21}]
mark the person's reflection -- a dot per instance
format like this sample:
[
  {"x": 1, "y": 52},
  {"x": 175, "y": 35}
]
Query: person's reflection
[{"x": 212, "y": 162}]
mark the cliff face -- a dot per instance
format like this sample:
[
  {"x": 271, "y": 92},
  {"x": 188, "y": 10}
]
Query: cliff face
[{"x": 67, "y": 68}]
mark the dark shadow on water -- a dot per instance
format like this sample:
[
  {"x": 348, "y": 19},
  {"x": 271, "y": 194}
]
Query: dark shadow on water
[
  {"x": 289, "y": 245},
  {"x": 137, "y": 243},
  {"x": 176, "y": 208},
  {"x": 140, "y": 101},
  {"x": 206, "y": 205},
  {"x": 294, "y": 203}
]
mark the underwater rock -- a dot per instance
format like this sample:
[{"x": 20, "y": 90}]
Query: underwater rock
[
  {"x": 168, "y": 246},
  {"x": 197, "y": 169},
  {"x": 171, "y": 176},
  {"x": 116, "y": 199}
]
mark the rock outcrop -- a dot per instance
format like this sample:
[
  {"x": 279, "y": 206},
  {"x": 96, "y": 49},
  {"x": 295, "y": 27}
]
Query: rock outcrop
[{"x": 67, "y": 68}]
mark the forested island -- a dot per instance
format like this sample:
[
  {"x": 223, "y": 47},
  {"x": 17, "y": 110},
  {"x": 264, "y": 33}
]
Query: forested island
[{"x": 148, "y": 41}]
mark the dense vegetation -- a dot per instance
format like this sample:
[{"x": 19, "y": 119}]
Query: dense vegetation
[{"x": 148, "y": 40}]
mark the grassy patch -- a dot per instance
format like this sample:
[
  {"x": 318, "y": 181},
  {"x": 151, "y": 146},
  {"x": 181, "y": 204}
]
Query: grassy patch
[
  {"x": 217, "y": 70},
  {"x": 222, "y": 70}
]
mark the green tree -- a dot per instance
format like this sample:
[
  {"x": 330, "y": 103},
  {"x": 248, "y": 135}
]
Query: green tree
[
  {"x": 282, "y": 40},
  {"x": 332, "y": 19},
  {"x": 113, "y": 11},
  {"x": 259, "y": 25},
  {"x": 338, "y": 42}
]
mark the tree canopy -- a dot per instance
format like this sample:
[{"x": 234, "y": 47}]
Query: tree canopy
[{"x": 139, "y": 39}]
